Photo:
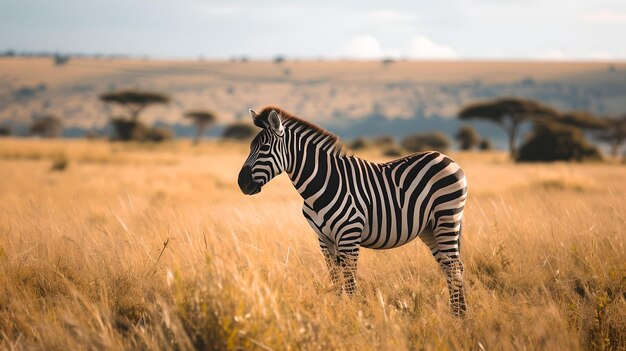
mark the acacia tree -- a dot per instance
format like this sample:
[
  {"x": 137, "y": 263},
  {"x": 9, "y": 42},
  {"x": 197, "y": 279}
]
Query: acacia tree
[
  {"x": 48, "y": 126},
  {"x": 134, "y": 101},
  {"x": 614, "y": 133},
  {"x": 467, "y": 137},
  {"x": 509, "y": 114},
  {"x": 582, "y": 120},
  {"x": 202, "y": 120}
]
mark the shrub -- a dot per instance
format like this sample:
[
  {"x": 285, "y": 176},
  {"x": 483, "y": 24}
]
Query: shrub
[
  {"x": 360, "y": 144},
  {"x": 384, "y": 141},
  {"x": 59, "y": 164},
  {"x": 47, "y": 126},
  {"x": 5, "y": 131},
  {"x": 555, "y": 142},
  {"x": 159, "y": 134},
  {"x": 467, "y": 137},
  {"x": 60, "y": 60},
  {"x": 393, "y": 151},
  {"x": 424, "y": 142},
  {"x": 239, "y": 131},
  {"x": 485, "y": 145},
  {"x": 127, "y": 130}
]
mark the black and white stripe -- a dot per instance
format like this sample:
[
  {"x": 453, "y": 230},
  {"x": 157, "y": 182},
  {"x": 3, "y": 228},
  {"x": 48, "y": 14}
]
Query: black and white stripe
[{"x": 352, "y": 203}]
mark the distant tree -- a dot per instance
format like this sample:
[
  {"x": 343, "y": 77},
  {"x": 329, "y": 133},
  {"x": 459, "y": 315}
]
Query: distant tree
[
  {"x": 424, "y": 142},
  {"x": 509, "y": 114},
  {"x": 134, "y": 101},
  {"x": 126, "y": 130},
  {"x": 239, "y": 131},
  {"x": 614, "y": 133},
  {"x": 60, "y": 60},
  {"x": 202, "y": 120},
  {"x": 5, "y": 131},
  {"x": 467, "y": 137},
  {"x": 552, "y": 141},
  {"x": 384, "y": 141},
  {"x": 279, "y": 59},
  {"x": 159, "y": 134},
  {"x": 393, "y": 151},
  {"x": 48, "y": 126},
  {"x": 360, "y": 143},
  {"x": 9, "y": 53},
  {"x": 581, "y": 119},
  {"x": 485, "y": 144}
]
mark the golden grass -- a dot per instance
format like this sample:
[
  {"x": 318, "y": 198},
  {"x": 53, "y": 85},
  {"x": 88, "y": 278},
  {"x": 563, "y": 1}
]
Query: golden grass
[{"x": 84, "y": 264}]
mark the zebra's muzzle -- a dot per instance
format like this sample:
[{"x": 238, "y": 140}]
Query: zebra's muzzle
[{"x": 247, "y": 185}]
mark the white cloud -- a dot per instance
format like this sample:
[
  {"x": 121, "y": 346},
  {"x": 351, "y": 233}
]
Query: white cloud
[
  {"x": 367, "y": 47},
  {"x": 604, "y": 16},
  {"x": 600, "y": 55},
  {"x": 422, "y": 47},
  {"x": 554, "y": 54}
]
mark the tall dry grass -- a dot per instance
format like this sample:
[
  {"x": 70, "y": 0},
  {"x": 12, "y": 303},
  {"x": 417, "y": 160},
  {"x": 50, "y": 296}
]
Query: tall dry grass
[{"x": 155, "y": 248}]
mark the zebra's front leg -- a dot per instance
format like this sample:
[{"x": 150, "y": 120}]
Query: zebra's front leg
[
  {"x": 348, "y": 261},
  {"x": 348, "y": 247},
  {"x": 334, "y": 269}
]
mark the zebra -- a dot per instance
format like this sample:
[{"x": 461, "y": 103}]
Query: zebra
[{"x": 352, "y": 203}]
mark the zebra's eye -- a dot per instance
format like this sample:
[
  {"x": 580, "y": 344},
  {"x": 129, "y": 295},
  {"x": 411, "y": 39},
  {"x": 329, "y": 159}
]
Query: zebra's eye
[{"x": 265, "y": 148}]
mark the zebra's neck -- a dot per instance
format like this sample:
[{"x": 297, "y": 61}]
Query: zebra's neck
[{"x": 311, "y": 162}]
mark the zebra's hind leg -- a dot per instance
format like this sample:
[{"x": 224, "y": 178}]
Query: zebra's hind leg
[
  {"x": 443, "y": 243},
  {"x": 453, "y": 269}
]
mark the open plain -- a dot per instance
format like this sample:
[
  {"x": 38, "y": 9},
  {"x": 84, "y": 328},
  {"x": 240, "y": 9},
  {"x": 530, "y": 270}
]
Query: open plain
[{"x": 109, "y": 246}]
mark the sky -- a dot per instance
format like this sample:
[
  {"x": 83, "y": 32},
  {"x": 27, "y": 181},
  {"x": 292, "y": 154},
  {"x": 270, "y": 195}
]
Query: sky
[{"x": 330, "y": 29}]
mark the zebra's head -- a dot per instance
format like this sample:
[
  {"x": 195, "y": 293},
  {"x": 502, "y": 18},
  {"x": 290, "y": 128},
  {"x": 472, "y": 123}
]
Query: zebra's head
[{"x": 267, "y": 153}]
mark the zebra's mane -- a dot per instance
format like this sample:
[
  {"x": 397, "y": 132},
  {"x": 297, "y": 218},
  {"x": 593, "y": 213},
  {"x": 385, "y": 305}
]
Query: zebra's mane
[{"x": 298, "y": 125}]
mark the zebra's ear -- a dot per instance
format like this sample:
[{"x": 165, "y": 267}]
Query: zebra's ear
[
  {"x": 257, "y": 120},
  {"x": 275, "y": 123},
  {"x": 253, "y": 114}
]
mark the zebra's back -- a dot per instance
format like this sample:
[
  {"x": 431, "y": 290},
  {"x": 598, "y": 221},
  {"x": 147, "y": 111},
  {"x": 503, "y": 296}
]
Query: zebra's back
[{"x": 409, "y": 195}]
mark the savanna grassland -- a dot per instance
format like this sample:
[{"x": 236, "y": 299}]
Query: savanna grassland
[
  {"x": 325, "y": 92},
  {"x": 138, "y": 246}
]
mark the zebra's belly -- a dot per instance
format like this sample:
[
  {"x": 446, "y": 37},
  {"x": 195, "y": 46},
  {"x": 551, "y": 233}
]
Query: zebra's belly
[
  {"x": 390, "y": 245},
  {"x": 391, "y": 233}
]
